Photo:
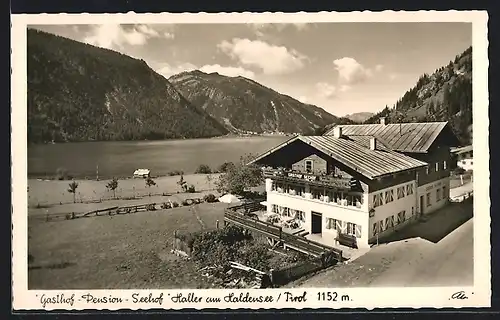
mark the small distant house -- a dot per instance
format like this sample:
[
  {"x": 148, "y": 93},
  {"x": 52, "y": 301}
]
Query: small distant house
[
  {"x": 464, "y": 157},
  {"x": 142, "y": 173}
]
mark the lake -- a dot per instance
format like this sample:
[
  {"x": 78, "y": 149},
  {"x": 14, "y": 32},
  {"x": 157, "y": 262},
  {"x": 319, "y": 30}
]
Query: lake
[{"x": 122, "y": 158}]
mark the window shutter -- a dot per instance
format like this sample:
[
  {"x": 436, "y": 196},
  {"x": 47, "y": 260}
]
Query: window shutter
[
  {"x": 344, "y": 226},
  {"x": 358, "y": 231},
  {"x": 338, "y": 225}
]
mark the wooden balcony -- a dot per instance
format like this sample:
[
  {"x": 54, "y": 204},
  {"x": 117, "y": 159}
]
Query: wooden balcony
[
  {"x": 240, "y": 216},
  {"x": 311, "y": 179}
]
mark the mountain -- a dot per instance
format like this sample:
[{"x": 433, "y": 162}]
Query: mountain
[
  {"x": 359, "y": 117},
  {"x": 243, "y": 105},
  {"x": 445, "y": 95},
  {"x": 78, "y": 92}
]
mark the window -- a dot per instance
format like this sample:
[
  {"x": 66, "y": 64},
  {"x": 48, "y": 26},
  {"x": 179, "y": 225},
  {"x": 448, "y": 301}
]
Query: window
[
  {"x": 409, "y": 189},
  {"x": 351, "y": 227},
  {"x": 377, "y": 200},
  {"x": 445, "y": 196},
  {"x": 429, "y": 199},
  {"x": 389, "y": 196},
  {"x": 437, "y": 166},
  {"x": 299, "y": 215},
  {"x": 471, "y": 162},
  {"x": 427, "y": 170},
  {"x": 412, "y": 211},
  {"x": 438, "y": 194},
  {"x": 330, "y": 223},
  {"x": 381, "y": 225},
  {"x": 309, "y": 166},
  {"x": 444, "y": 165},
  {"x": 375, "y": 229},
  {"x": 401, "y": 192}
]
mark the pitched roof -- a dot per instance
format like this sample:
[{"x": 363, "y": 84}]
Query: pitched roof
[
  {"x": 404, "y": 137},
  {"x": 370, "y": 163},
  {"x": 462, "y": 149}
]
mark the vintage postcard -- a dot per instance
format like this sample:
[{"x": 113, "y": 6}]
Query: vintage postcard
[{"x": 238, "y": 160}]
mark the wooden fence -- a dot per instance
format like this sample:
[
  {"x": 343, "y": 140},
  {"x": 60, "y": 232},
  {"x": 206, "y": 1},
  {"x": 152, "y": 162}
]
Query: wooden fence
[{"x": 105, "y": 211}]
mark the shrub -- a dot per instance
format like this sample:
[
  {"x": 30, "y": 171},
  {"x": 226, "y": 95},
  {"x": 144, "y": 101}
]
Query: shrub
[
  {"x": 225, "y": 166},
  {"x": 185, "y": 203},
  {"x": 210, "y": 198},
  {"x": 204, "y": 169},
  {"x": 458, "y": 171},
  {"x": 191, "y": 189},
  {"x": 176, "y": 173},
  {"x": 175, "y": 204}
]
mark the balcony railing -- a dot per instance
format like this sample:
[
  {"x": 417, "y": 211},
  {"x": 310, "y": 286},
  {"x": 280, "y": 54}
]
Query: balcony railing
[
  {"x": 350, "y": 204},
  {"x": 312, "y": 179}
]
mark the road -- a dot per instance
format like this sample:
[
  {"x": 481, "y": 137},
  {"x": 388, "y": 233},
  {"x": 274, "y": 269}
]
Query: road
[{"x": 438, "y": 256}]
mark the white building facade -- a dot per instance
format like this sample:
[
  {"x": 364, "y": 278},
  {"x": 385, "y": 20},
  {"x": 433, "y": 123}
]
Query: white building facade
[{"x": 355, "y": 185}]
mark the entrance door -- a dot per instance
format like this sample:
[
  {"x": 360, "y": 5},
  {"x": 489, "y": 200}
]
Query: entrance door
[
  {"x": 422, "y": 205},
  {"x": 316, "y": 219}
]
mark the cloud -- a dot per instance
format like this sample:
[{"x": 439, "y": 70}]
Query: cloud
[
  {"x": 271, "y": 59},
  {"x": 393, "y": 76},
  {"x": 326, "y": 90},
  {"x": 116, "y": 36},
  {"x": 352, "y": 72},
  {"x": 168, "y": 35},
  {"x": 228, "y": 71},
  {"x": 168, "y": 70},
  {"x": 302, "y": 99}
]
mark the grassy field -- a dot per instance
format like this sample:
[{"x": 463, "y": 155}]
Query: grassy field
[
  {"x": 51, "y": 192},
  {"x": 118, "y": 252},
  {"x": 456, "y": 182}
]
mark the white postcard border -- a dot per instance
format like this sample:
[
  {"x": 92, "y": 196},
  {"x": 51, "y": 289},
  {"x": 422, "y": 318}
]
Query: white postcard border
[{"x": 477, "y": 296}]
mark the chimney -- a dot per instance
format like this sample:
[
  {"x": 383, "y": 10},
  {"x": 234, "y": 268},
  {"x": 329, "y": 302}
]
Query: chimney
[
  {"x": 382, "y": 121},
  {"x": 373, "y": 143},
  {"x": 337, "y": 132}
]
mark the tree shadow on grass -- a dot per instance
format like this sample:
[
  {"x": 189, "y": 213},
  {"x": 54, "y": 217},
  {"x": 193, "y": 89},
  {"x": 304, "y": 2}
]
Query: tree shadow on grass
[{"x": 435, "y": 226}]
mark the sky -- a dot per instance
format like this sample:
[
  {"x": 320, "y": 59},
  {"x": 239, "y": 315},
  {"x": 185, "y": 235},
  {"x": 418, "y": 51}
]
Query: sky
[{"x": 343, "y": 68}]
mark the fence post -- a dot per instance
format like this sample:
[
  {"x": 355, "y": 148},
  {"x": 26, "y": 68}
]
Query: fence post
[{"x": 217, "y": 224}]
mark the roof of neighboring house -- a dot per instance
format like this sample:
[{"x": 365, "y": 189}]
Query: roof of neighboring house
[
  {"x": 404, "y": 137},
  {"x": 462, "y": 149},
  {"x": 370, "y": 163}
]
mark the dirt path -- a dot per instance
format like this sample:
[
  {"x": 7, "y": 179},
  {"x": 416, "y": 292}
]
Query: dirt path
[{"x": 439, "y": 256}]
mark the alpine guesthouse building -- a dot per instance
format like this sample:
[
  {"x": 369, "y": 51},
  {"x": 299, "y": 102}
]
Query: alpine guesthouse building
[{"x": 362, "y": 181}]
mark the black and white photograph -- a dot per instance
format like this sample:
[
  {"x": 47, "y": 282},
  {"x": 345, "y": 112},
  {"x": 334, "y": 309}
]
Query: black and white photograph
[{"x": 159, "y": 158}]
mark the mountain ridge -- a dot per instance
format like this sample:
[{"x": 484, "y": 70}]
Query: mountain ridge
[
  {"x": 79, "y": 92},
  {"x": 244, "y": 105},
  {"x": 444, "y": 95}
]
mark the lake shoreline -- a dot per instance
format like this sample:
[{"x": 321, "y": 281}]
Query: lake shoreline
[{"x": 105, "y": 160}]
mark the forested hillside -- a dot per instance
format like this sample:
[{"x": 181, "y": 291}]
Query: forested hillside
[
  {"x": 445, "y": 95},
  {"x": 78, "y": 92}
]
